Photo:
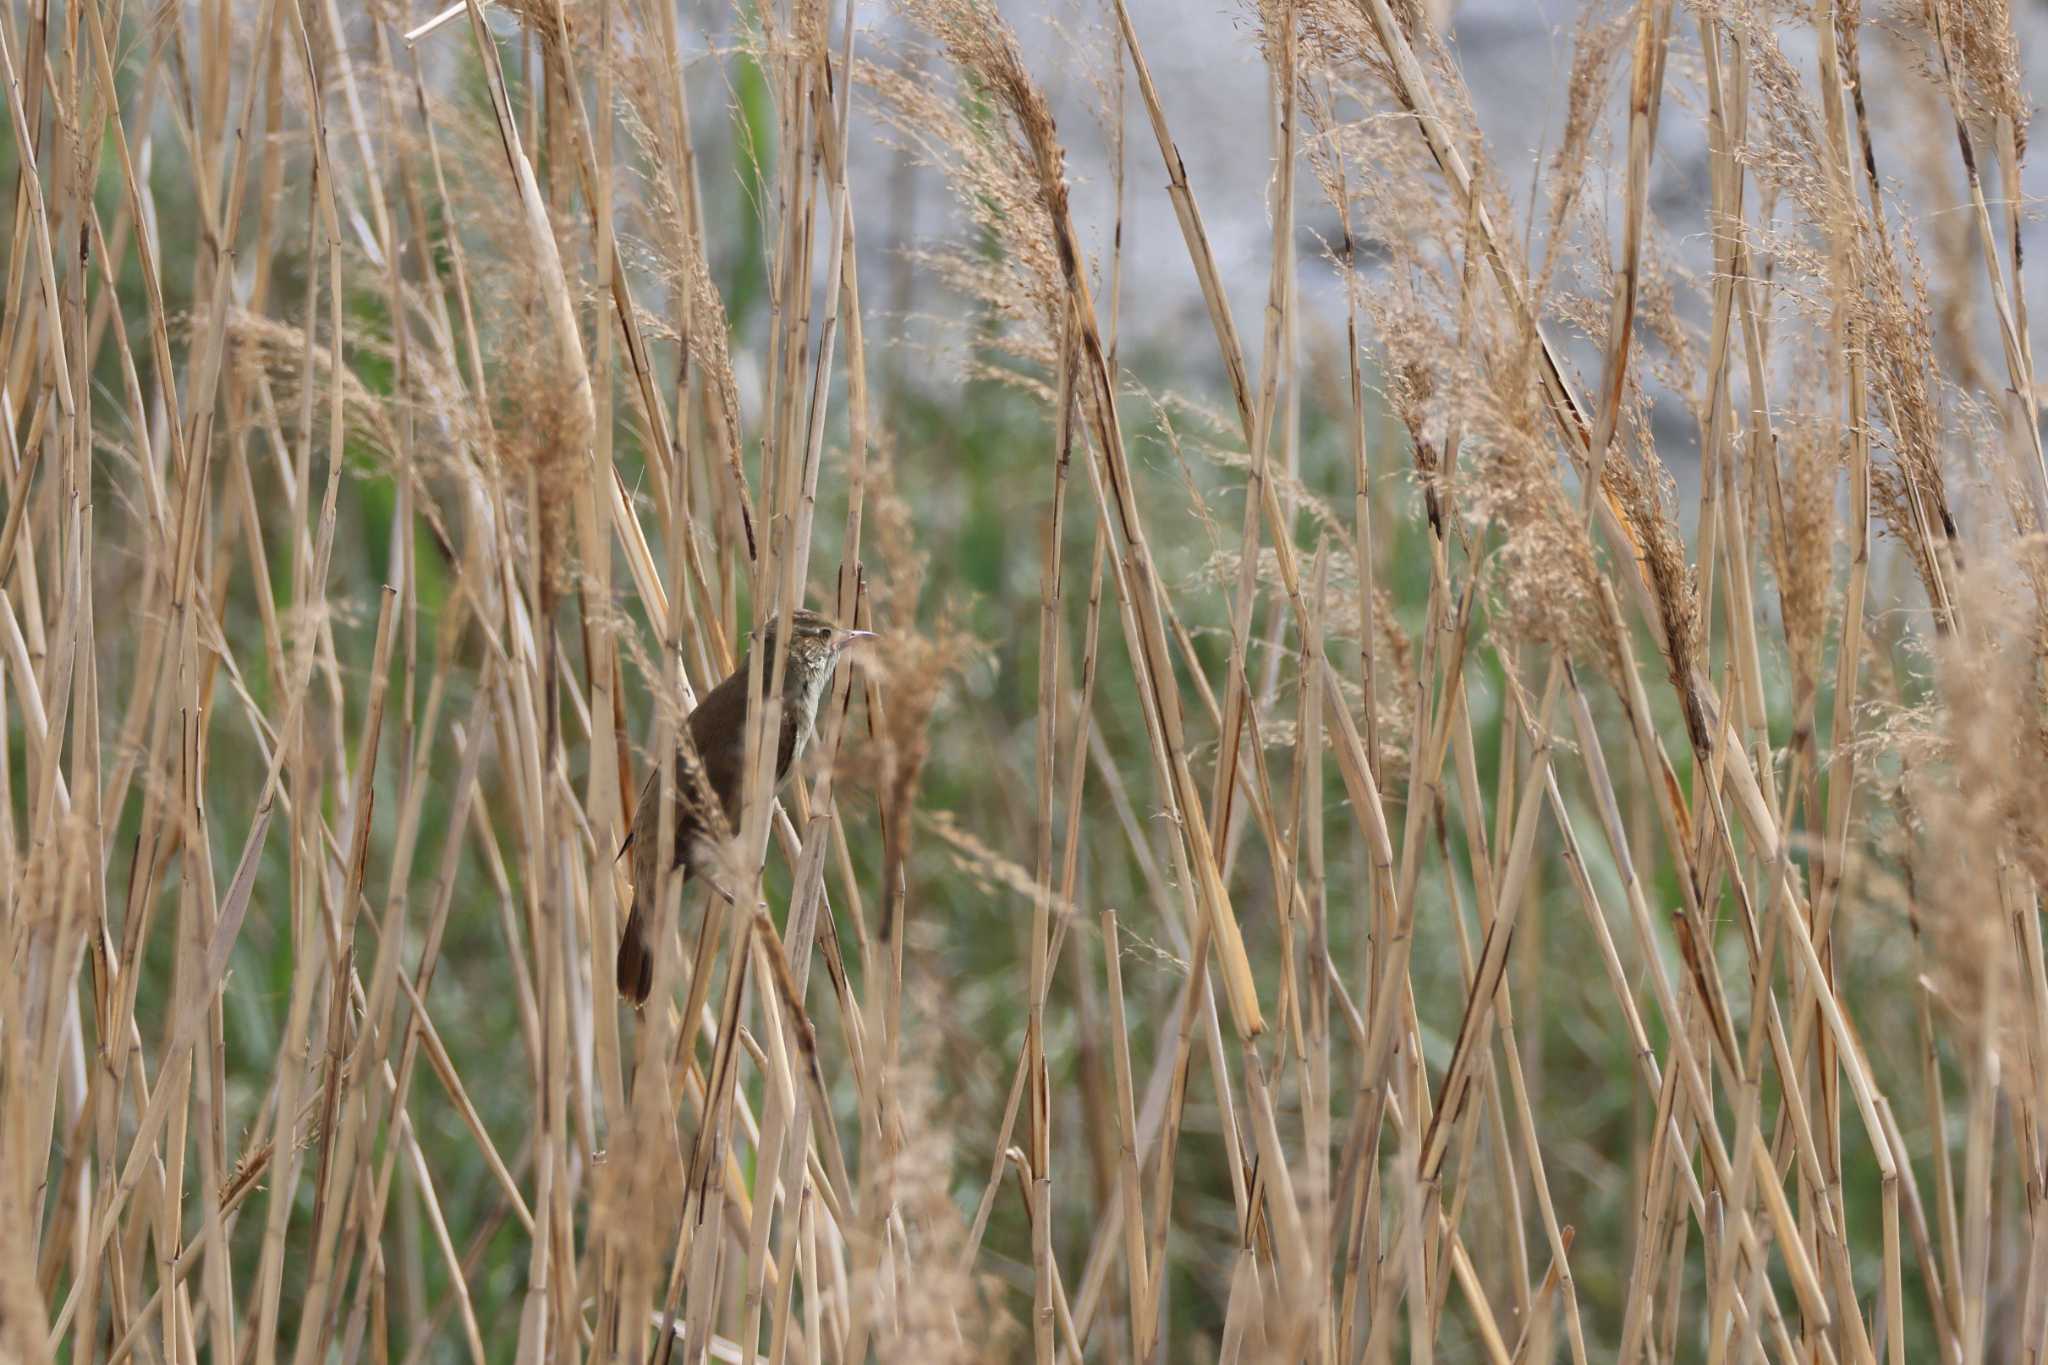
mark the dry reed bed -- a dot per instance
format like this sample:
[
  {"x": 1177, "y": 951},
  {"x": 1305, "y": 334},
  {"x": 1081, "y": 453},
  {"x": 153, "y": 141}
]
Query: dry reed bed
[{"x": 470, "y": 256}]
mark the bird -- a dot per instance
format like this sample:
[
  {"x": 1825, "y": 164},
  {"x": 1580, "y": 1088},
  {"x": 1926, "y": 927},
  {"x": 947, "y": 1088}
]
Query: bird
[{"x": 718, "y": 735}]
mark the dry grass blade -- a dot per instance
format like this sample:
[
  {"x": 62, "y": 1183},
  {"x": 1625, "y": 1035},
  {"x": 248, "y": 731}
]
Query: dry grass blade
[{"x": 400, "y": 431}]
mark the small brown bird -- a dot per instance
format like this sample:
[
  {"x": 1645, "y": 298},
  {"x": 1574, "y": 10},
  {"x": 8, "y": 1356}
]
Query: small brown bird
[{"x": 718, "y": 730}]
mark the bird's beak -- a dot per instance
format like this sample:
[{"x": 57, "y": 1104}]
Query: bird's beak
[{"x": 850, "y": 638}]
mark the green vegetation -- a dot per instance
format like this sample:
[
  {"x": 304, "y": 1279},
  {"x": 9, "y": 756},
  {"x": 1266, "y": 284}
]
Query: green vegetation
[{"x": 1299, "y": 879}]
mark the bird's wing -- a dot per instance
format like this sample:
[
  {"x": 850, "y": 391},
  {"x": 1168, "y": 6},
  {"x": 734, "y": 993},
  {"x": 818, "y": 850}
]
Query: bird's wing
[
  {"x": 647, "y": 793},
  {"x": 793, "y": 725},
  {"x": 719, "y": 728}
]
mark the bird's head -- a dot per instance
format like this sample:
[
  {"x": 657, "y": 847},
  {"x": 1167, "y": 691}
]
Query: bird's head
[{"x": 816, "y": 645}]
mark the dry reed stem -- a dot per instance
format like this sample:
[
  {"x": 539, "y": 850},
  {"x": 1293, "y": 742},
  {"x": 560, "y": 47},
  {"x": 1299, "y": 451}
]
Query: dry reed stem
[{"x": 234, "y": 238}]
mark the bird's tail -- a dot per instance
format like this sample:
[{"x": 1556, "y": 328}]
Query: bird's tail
[{"x": 636, "y": 958}]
